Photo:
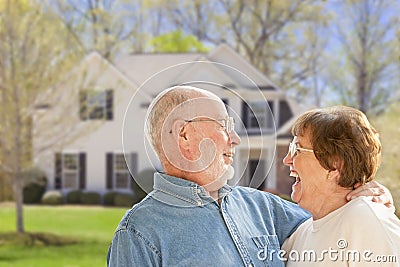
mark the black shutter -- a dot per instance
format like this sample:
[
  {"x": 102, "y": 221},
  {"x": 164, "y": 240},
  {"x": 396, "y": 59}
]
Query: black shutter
[
  {"x": 138, "y": 192},
  {"x": 109, "y": 104},
  {"x": 58, "y": 171},
  {"x": 285, "y": 113},
  {"x": 82, "y": 170},
  {"x": 245, "y": 110},
  {"x": 83, "y": 105},
  {"x": 109, "y": 170},
  {"x": 133, "y": 166}
]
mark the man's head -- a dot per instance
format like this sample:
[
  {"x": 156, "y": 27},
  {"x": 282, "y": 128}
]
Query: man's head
[{"x": 191, "y": 133}]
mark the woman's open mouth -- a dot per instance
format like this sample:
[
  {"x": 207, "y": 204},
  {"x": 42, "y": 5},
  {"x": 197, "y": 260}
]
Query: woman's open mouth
[{"x": 295, "y": 175}]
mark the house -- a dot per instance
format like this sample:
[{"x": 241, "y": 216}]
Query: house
[{"x": 107, "y": 103}]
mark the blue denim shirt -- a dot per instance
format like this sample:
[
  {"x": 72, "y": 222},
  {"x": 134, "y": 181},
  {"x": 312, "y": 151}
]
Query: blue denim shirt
[{"x": 179, "y": 224}]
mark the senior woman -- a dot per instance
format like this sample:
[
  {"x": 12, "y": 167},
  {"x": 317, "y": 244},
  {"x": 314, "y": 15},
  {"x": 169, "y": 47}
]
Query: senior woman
[{"x": 334, "y": 150}]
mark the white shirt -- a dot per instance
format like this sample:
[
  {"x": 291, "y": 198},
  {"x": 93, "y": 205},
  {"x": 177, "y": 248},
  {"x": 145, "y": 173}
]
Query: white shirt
[{"x": 361, "y": 233}]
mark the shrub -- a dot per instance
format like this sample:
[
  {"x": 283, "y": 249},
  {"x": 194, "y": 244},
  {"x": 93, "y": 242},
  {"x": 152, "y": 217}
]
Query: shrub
[
  {"x": 52, "y": 198},
  {"x": 124, "y": 200},
  {"x": 34, "y": 184},
  {"x": 108, "y": 198},
  {"x": 73, "y": 197},
  {"x": 33, "y": 193},
  {"x": 90, "y": 198}
]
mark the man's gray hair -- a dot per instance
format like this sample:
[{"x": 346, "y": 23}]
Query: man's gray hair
[{"x": 162, "y": 106}]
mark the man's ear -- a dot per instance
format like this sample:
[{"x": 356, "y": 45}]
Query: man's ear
[
  {"x": 184, "y": 141},
  {"x": 177, "y": 127},
  {"x": 180, "y": 134}
]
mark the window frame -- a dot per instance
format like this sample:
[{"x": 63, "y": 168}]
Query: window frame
[
  {"x": 265, "y": 119},
  {"x": 121, "y": 171},
  {"x": 96, "y": 104},
  {"x": 68, "y": 171}
]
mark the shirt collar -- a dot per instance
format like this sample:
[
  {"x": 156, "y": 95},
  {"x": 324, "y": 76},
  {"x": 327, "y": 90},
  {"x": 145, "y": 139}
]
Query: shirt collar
[{"x": 176, "y": 191}]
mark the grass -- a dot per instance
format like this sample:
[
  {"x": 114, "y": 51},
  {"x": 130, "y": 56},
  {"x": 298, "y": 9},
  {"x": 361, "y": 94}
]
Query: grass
[{"x": 87, "y": 232}]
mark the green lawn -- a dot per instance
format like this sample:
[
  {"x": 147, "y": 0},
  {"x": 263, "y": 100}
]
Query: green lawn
[{"x": 92, "y": 226}]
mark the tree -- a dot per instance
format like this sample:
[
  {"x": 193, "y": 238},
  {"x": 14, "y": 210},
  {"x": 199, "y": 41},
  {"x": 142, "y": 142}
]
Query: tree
[
  {"x": 268, "y": 33},
  {"x": 388, "y": 126},
  {"x": 35, "y": 53},
  {"x": 176, "y": 42},
  {"x": 362, "y": 69},
  {"x": 106, "y": 26}
]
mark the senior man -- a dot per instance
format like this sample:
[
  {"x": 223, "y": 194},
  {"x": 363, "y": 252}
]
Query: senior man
[{"x": 192, "y": 217}]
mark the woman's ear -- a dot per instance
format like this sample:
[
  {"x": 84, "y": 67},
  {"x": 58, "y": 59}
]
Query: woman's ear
[{"x": 335, "y": 172}]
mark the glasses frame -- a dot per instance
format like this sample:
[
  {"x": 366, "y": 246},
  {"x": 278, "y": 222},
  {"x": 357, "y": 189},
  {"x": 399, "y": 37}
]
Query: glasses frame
[
  {"x": 293, "y": 149},
  {"x": 228, "y": 123}
]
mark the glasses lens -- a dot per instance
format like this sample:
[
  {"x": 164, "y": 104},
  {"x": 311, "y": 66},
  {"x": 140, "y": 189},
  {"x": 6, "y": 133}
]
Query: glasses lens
[
  {"x": 292, "y": 149},
  {"x": 230, "y": 124}
]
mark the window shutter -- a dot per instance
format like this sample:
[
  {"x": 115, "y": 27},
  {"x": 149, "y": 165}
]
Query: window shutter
[
  {"x": 138, "y": 192},
  {"x": 133, "y": 171},
  {"x": 83, "y": 105},
  {"x": 82, "y": 170},
  {"x": 109, "y": 104},
  {"x": 109, "y": 170},
  {"x": 58, "y": 171},
  {"x": 245, "y": 110},
  {"x": 285, "y": 113}
]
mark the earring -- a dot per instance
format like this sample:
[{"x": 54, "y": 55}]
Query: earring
[{"x": 328, "y": 175}]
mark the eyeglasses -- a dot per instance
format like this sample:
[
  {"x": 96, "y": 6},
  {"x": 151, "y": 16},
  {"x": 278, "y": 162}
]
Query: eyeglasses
[
  {"x": 294, "y": 150},
  {"x": 228, "y": 124}
]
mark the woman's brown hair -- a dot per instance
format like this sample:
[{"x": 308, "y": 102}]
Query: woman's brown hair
[{"x": 343, "y": 139}]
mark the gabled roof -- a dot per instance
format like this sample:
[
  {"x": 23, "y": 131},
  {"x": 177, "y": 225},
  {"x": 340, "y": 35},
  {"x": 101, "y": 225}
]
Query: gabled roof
[
  {"x": 94, "y": 56},
  {"x": 139, "y": 67},
  {"x": 227, "y": 55}
]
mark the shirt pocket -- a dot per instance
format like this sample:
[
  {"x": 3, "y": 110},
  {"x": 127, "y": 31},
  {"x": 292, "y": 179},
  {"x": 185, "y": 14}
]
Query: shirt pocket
[{"x": 268, "y": 250}]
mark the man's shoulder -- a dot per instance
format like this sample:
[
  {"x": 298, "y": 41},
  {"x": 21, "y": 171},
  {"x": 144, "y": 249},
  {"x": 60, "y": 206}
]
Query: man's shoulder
[
  {"x": 140, "y": 213},
  {"x": 244, "y": 190},
  {"x": 252, "y": 194}
]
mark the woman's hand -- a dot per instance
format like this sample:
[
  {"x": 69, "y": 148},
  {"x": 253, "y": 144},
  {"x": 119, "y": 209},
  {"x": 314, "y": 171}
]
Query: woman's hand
[{"x": 378, "y": 192}]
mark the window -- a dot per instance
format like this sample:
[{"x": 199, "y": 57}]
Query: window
[
  {"x": 96, "y": 105},
  {"x": 118, "y": 175},
  {"x": 70, "y": 171},
  {"x": 121, "y": 172},
  {"x": 256, "y": 173},
  {"x": 257, "y": 115}
]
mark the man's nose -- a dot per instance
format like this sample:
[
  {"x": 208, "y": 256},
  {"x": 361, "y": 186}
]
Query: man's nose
[{"x": 234, "y": 138}]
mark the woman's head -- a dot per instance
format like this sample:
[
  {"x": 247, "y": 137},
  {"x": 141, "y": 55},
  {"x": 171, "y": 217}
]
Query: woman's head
[{"x": 342, "y": 139}]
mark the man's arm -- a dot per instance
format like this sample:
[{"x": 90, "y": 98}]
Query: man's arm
[
  {"x": 287, "y": 216},
  {"x": 132, "y": 249},
  {"x": 379, "y": 193}
]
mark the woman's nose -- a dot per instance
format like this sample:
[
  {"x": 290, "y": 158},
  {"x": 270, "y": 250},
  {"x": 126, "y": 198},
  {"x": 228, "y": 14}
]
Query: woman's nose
[{"x": 287, "y": 160}]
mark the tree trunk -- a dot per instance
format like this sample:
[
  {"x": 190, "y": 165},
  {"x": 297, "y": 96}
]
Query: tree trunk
[{"x": 19, "y": 203}]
